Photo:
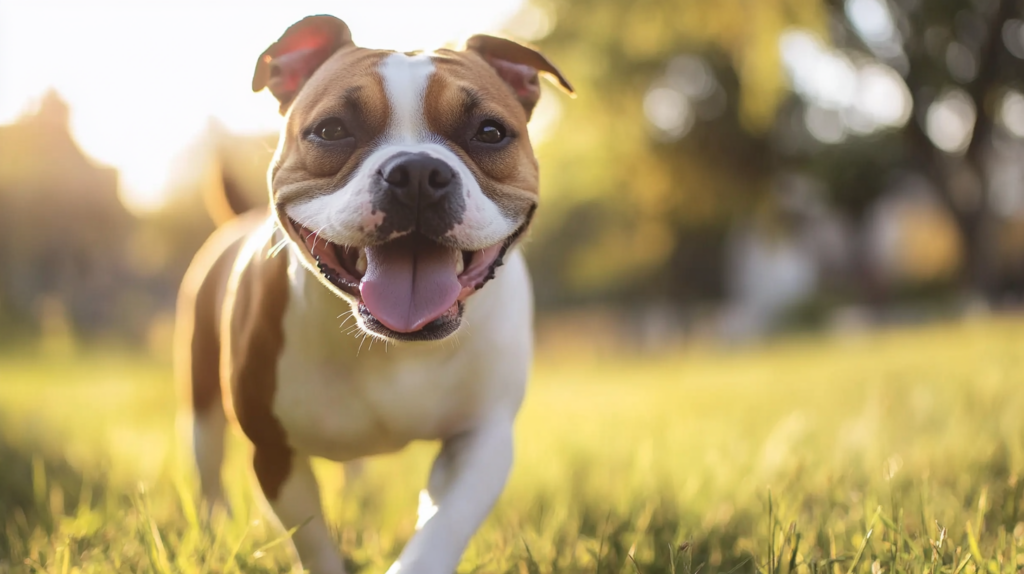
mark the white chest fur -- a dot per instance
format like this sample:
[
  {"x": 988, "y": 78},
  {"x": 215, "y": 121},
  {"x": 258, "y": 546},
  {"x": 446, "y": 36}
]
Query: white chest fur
[{"x": 342, "y": 397}]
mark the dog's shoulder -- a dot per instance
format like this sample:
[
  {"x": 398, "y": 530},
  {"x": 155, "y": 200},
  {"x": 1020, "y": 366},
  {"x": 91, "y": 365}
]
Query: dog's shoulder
[
  {"x": 205, "y": 282},
  {"x": 252, "y": 332}
]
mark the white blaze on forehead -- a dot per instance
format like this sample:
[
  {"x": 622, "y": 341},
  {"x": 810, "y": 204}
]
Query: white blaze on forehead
[{"x": 405, "y": 81}]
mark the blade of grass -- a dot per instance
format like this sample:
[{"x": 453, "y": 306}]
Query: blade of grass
[
  {"x": 531, "y": 567},
  {"x": 39, "y": 482},
  {"x": 635, "y": 566},
  {"x": 792, "y": 557},
  {"x": 963, "y": 563},
  {"x": 904, "y": 535},
  {"x": 740, "y": 565},
  {"x": 771, "y": 534},
  {"x": 188, "y": 505},
  {"x": 979, "y": 518},
  {"x": 232, "y": 562},
  {"x": 832, "y": 551},
  {"x": 286, "y": 536},
  {"x": 864, "y": 543}
]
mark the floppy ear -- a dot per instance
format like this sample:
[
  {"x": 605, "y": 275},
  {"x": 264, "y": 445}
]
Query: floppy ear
[
  {"x": 518, "y": 65},
  {"x": 286, "y": 65}
]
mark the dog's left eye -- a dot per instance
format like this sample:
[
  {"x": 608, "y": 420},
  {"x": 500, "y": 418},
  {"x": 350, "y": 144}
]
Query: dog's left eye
[
  {"x": 331, "y": 130},
  {"x": 490, "y": 132}
]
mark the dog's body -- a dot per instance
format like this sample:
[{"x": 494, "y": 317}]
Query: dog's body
[{"x": 385, "y": 209}]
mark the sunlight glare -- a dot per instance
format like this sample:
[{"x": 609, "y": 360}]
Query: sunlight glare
[
  {"x": 427, "y": 509},
  {"x": 1011, "y": 113},
  {"x": 883, "y": 96},
  {"x": 826, "y": 76},
  {"x": 950, "y": 121},
  {"x": 872, "y": 19},
  {"x": 669, "y": 111},
  {"x": 143, "y": 79},
  {"x": 843, "y": 96}
]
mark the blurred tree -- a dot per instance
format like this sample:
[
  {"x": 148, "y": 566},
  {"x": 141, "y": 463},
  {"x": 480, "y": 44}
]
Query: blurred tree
[
  {"x": 960, "y": 60},
  {"x": 690, "y": 110},
  {"x": 669, "y": 139}
]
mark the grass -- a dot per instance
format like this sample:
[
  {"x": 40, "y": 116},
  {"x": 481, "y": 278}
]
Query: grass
[{"x": 895, "y": 452}]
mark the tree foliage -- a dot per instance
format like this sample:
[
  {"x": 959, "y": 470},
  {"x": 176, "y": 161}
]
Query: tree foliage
[{"x": 631, "y": 210}]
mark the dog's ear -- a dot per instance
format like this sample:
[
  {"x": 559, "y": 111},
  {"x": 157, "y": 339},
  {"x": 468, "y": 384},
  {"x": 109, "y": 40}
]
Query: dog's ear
[
  {"x": 286, "y": 65},
  {"x": 519, "y": 66}
]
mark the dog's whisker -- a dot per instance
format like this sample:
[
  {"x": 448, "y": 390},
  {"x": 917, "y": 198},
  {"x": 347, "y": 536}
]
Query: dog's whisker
[
  {"x": 316, "y": 235},
  {"x": 277, "y": 248},
  {"x": 348, "y": 316}
]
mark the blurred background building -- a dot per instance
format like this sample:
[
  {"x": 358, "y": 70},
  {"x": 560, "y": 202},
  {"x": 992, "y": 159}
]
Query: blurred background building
[
  {"x": 730, "y": 170},
  {"x": 63, "y": 231}
]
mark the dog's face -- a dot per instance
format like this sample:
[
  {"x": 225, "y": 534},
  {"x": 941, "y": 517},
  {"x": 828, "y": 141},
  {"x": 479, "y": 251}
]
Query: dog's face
[{"x": 402, "y": 179}]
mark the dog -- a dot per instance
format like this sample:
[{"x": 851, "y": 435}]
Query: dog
[{"x": 399, "y": 193}]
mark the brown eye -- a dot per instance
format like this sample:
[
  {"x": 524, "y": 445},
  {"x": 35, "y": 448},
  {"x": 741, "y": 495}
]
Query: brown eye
[
  {"x": 331, "y": 130},
  {"x": 490, "y": 132}
]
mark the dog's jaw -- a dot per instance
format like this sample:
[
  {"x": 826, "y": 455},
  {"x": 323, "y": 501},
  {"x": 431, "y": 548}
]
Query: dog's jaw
[{"x": 342, "y": 269}]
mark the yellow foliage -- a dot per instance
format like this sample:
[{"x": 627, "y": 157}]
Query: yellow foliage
[
  {"x": 619, "y": 255},
  {"x": 931, "y": 246}
]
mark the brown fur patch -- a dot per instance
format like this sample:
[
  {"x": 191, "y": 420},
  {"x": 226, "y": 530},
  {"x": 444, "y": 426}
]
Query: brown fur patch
[
  {"x": 254, "y": 337},
  {"x": 348, "y": 87},
  {"x": 463, "y": 82},
  {"x": 197, "y": 324}
]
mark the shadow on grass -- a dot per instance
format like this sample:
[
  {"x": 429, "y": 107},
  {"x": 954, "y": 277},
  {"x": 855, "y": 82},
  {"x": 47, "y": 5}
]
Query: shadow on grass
[{"x": 36, "y": 489}]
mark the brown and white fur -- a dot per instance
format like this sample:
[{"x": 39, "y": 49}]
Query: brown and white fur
[{"x": 258, "y": 337}]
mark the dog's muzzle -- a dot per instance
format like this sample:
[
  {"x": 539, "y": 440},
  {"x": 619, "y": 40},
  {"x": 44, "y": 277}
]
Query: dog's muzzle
[{"x": 418, "y": 192}]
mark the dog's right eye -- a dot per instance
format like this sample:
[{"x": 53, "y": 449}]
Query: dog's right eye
[
  {"x": 331, "y": 130},
  {"x": 490, "y": 132}
]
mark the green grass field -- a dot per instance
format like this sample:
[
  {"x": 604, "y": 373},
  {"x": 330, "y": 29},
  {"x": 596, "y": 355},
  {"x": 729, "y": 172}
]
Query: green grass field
[{"x": 894, "y": 452}]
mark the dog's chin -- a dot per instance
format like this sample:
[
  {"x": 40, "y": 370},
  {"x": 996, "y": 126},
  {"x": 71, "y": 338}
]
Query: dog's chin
[{"x": 366, "y": 277}]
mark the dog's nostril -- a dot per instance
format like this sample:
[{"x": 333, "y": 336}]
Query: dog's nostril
[
  {"x": 439, "y": 179},
  {"x": 398, "y": 176}
]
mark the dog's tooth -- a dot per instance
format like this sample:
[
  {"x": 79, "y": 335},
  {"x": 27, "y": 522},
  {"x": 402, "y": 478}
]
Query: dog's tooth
[
  {"x": 460, "y": 264},
  {"x": 361, "y": 262}
]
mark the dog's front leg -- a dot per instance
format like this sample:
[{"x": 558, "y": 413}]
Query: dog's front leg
[
  {"x": 465, "y": 481},
  {"x": 296, "y": 503}
]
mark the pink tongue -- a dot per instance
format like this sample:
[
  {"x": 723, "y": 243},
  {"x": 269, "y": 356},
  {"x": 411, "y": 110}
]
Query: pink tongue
[{"x": 409, "y": 282}]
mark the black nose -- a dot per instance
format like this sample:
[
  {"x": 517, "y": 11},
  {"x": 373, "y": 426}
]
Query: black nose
[
  {"x": 418, "y": 192},
  {"x": 418, "y": 179}
]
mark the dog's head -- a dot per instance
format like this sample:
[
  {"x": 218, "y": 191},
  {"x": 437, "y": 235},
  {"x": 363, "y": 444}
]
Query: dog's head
[{"x": 402, "y": 178}]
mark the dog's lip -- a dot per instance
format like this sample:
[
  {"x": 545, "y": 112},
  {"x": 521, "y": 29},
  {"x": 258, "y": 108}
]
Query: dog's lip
[{"x": 339, "y": 264}]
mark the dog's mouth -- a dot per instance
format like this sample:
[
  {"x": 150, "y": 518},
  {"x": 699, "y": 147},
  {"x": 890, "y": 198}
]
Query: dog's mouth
[{"x": 408, "y": 288}]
